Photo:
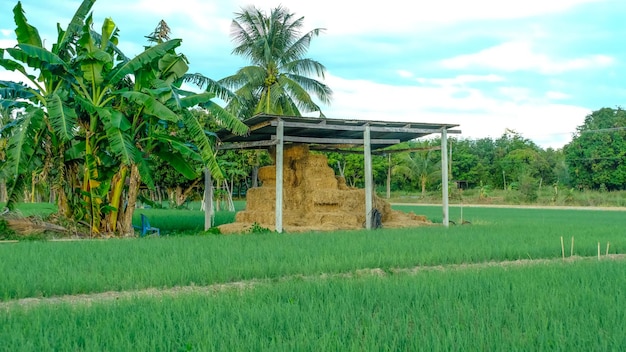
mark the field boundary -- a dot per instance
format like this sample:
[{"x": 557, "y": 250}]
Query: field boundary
[
  {"x": 516, "y": 206},
  {"x": 88, "y": 299}
]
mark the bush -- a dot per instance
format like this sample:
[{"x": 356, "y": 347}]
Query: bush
[{"x": 528, "y": 188}]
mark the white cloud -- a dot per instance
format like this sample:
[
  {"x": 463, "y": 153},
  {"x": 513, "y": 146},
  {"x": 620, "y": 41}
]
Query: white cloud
[
  {"x": 479, "y": 115},
  {"x": 553, "y": 95},
  {"x": 405, "y": 73},
  {"x": 520, "y": 56},
  {"x": 396, "y": 16},
  {"x": 461, "y": 80}
]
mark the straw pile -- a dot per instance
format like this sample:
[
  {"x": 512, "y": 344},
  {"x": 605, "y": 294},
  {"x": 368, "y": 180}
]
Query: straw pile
[{"x": 313, "y": 199}]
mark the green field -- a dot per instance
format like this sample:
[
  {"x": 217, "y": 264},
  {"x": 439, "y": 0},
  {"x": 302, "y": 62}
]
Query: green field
[{"x": 350, "y": 290}]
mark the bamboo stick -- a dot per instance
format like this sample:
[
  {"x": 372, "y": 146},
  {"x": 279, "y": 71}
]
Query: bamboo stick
[
  {"x": 598, "y": 250},
  {"x": 562, "y": 248},
  {"x": 607, "y": 248},
  {"x": 571, "y": 250}
]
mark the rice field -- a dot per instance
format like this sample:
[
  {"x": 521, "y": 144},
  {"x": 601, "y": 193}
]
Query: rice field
[{"x": 497, "y": 284}]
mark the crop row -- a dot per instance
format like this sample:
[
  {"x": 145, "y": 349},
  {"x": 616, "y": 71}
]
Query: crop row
[
  {"x": 35, "y": 269},
  {"x": 576, "y": 306}
]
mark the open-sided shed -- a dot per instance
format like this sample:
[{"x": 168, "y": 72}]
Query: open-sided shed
[{"x": 335, "y": 134}]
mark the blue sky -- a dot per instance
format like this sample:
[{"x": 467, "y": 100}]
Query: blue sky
[{"x": 536, "y": 67}]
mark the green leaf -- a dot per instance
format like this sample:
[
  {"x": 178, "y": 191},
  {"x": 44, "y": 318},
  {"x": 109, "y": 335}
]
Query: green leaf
[
  {"x": 172, "y": 67},
  {"x": 120, "y": 141},
  {"x": 75, "y": 25},
  {"x": 26, "y": 34},
  {"x": 37, "y": 57},
  {"x": 62, "y": 118},
  {"x": 203, "y": 143},
  {"x": 179, "y": 163},
  {"x": 196, "y": 99},
  {"x": 21, "y": 150},
  {"x": 226, "y": 119},
  {"x": 12, "y": 90},
  {"x": 92, "y": 65},
  {"x": 144, "y": 169},
  {"x": 178, "y": 145},
  {"x": 141, "y": 60},
  {"x": 108, "y": 28},
  {"x": 151, "y": 106}
]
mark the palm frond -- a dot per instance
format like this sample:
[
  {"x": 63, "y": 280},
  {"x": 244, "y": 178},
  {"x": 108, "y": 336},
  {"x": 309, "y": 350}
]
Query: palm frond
[
  {"x": 209, "y": 85},
  {"x": 225, "y": 118}
]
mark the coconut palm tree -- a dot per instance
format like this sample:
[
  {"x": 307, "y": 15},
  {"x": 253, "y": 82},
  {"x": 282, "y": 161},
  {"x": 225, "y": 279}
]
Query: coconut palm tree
[
  {"x": 420, "y": 167},
  {"x": 277, "y": 80}
]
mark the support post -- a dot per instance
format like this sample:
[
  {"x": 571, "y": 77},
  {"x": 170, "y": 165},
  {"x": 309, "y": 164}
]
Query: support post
[
  {"x": 367, "y": 150},
  {"x": 279, "y": 176},
  {"x": 208, "y": 200},
  {"x": 444, "y": 176}
]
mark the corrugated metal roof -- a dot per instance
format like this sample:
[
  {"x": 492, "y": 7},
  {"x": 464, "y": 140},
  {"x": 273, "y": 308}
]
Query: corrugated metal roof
[{"x": 313, "y": 130}]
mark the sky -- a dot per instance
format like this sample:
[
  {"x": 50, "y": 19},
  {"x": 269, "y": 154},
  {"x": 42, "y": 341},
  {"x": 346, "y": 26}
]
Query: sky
[{"x": 534, "y": 67}]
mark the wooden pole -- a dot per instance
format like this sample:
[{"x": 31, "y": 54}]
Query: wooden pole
[
  {"x": 208, "y": 200},
  {"x": 444, "y": 176},
  {"x": 367, "y": 151},
  {"x": 388, "y": 176},
  {"x": 279, "y": 176}
]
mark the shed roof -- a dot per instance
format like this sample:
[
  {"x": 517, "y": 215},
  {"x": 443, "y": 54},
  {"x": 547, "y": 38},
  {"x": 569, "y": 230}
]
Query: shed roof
[{"x": 327, "y": 131}]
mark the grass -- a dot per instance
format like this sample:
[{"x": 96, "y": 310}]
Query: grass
[
  {"x": 296, "y": 303},
  {"x": 34, "y": 269},
  {"x": 545, "y": 196},
  {"x": 556, "y": 307},
  {"x": 169, "y": 221}
]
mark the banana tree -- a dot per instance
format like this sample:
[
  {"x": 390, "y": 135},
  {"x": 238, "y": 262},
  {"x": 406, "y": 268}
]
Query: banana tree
[{"x": 104, "y": 115}]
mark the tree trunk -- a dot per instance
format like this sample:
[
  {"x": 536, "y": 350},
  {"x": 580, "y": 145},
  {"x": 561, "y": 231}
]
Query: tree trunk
[
  {"x": 3, "y": 190},
  {"x": 126, "y": 225},
  {"x": 115, "y": 199},
  {"x": 255, "y": 176},
  {"x": 182, "y": 195}
]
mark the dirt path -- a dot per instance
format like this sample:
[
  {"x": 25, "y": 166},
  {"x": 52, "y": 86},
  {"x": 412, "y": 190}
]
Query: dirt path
[{"x": 88, "y": 299}]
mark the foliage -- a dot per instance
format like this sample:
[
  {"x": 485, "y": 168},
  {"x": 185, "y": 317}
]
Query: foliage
[
  {"x": 419, "y": 167},
  {"x": 597, "y": 152},
  {"x": 256, "y": 228},
  {"x": 6, "y": 233},
  {"x": 105, "y": 118},
  {"x": 277, "y": 80}
]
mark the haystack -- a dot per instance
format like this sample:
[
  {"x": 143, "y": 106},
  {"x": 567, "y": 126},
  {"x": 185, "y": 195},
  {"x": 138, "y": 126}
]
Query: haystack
[{"x": 314, "y": 199}]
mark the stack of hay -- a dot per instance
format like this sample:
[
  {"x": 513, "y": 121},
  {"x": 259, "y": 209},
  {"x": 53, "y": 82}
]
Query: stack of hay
[{"x": 313, "y": 198}]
